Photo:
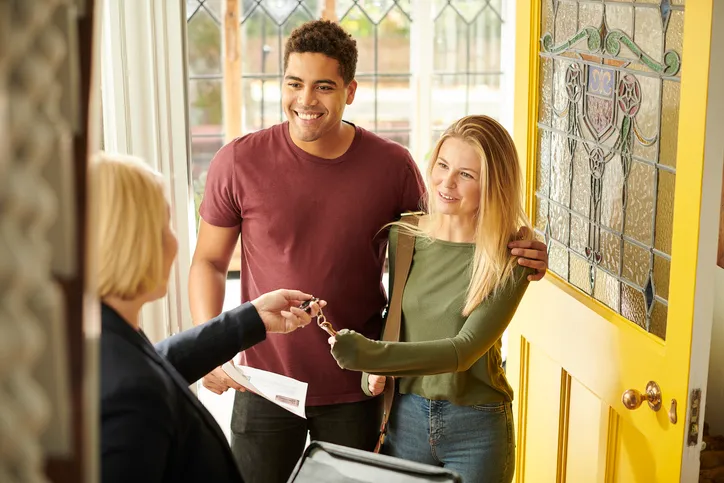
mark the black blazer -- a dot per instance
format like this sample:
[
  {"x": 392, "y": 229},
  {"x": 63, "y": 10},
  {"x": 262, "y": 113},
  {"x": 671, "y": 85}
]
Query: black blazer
[{"x": 153, "y": 428}]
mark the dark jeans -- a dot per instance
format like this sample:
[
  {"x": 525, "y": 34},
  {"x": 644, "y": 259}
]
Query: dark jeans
[{"x": 267, "y": 441}]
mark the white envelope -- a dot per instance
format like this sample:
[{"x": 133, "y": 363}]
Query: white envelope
[{"x": 283, "y": 391}]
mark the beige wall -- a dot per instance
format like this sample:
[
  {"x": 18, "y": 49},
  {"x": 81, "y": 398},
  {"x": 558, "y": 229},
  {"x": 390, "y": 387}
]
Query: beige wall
[{"x": 715, "y": 389}]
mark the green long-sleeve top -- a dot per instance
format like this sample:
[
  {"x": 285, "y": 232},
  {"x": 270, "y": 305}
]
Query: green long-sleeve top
[{"x": 443, "y": 355}]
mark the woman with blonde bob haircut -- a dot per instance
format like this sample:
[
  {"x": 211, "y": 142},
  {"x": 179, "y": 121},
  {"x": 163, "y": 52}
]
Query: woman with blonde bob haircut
[
  {"x": 132, "y": 220},
  {"x": 461, "y": 292},
  {"x": 153, "y": 428}
]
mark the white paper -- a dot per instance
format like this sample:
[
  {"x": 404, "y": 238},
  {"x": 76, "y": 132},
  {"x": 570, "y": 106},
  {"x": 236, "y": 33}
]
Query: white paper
[{"x": 283, "y": 391}]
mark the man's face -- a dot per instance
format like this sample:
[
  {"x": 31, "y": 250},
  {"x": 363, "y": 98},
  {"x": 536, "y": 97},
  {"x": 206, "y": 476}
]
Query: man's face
[{"x": 314, "y": 96}]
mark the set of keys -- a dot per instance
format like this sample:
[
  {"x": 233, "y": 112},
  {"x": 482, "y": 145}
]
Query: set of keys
[{"x": 322, "y": 321}]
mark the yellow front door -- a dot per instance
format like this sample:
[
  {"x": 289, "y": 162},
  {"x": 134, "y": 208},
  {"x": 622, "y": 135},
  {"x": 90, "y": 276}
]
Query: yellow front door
[{"x": 619, "y": 121}]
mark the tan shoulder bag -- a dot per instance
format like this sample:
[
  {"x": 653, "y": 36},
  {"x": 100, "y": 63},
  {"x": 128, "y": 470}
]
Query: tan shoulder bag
[{"x": 403, "y": 259}]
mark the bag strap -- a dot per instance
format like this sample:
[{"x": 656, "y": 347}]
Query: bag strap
[{"x": 403, "y": 259}]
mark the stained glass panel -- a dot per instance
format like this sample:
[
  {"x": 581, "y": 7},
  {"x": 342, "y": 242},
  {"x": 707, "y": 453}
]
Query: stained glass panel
[
  {"x": 648, "y": 32},
  {"x": 675, "y": 31},
  {"x": 560, "y": 169},
  {"x": 669, "y": 123},
  {"x": 607, "y": 290},
  {"x": 611, "y": 69},
  {"x": 665, "y": 211},
  {"x": 558, "y": 259},
  {"x": 580, "y": 273},
  {"x": 611, "y": 251},
  {"x": 640, "y": 202},
  {"x": 544, "y": 162},
  {"x": 560, "y": 97},
  {"x": 541, "y": 218},
  {"x": 566, "y": 21},
  {"x": 558, "y": 219},
  {"x": 620, "y": 17},
  {"x": 546, "y": 91},
  {"x": 636, "y": 264},
  {"x": 633, "y": 305},
  {"x": 579, "y": 234},
  {"x": 662, "y": 266},
  {"x": 612, "y": 195},
  {"x": 547, "y": 17},
  {"x": 581, "y": 183},
  {"x": 647, "y": 119},
  {"x": 659, "y": 314},
  {"x": 589, "y": 14}
]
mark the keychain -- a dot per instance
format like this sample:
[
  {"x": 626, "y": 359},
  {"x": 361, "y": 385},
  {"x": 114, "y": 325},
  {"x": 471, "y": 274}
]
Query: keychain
[
  {"x": 321, "y": 319},
  {"x": 324, "y": 324}
]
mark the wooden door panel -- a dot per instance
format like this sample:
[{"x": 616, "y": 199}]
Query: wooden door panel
[
  {"x": 587, "y": 432},
  {"x": 541, "y": 404}
]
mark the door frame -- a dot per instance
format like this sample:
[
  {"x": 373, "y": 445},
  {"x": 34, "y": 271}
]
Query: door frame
[{"x": 704, "y": 115}]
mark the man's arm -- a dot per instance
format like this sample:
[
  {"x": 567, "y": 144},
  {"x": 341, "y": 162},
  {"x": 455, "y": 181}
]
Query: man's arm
[
  {"x": 207, "y": 286},
  {"x": 210, "y": 263},
  {"x": 532, "y": 254}
]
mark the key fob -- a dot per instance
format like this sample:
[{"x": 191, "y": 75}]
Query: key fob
[{"x": 305, "y": 306}]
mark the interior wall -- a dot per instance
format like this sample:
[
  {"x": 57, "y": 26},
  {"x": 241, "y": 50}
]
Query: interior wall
[{"x": 714, "y": 414}]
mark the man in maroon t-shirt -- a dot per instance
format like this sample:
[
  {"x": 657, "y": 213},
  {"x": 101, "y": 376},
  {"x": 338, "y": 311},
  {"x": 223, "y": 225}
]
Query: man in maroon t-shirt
[{"x": 308, "y": 197}]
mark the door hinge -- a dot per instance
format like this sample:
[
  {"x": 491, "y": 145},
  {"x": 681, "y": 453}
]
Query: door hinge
[{"x": 694, "y": 423}]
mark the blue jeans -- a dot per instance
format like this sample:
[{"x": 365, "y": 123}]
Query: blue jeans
[{"x": 476, "y": 441}]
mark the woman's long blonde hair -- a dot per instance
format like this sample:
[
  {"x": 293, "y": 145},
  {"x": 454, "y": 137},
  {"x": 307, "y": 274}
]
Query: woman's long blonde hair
[{"x": 501, "y": 211}]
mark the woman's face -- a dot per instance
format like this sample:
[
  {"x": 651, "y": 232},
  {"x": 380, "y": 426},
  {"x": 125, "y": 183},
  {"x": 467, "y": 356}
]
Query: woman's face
[{"x": 455, "y": 179}]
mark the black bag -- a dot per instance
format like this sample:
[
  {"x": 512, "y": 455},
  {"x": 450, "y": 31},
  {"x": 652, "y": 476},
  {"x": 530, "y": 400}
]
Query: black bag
[{"x": 331, "y": 463}]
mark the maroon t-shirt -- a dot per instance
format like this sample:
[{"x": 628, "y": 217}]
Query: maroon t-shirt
[{"x": 312, "y": 224}]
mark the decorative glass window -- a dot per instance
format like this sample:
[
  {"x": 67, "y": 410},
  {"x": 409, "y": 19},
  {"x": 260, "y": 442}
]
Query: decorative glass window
[
  {"x": 468, "y": 55},
  {"x": 265, "y": 26},
  {"x": 205, "y": 74},
  {"x": 382, "y": 31},
  {"x": 607, "y": 139}
]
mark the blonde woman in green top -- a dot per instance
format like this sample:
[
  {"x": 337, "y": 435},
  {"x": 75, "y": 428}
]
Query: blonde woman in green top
[{"x": 453, "y": 402}]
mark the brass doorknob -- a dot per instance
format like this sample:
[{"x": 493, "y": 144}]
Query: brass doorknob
[{"x": 632, "y": 399}]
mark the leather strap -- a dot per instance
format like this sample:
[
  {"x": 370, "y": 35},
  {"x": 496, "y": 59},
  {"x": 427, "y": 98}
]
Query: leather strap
[{"x": 403, "y": 259}]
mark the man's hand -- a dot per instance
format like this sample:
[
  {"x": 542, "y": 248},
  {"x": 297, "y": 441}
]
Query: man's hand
[
  {"x": 532, "y": 253},
  {"x": 280, "y": 312},
  {"x": 376, "y": 384},
  {"x": 218, "y": 381}
]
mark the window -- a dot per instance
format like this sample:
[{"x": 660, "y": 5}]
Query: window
[
  {"x": 396, "y": 72},
  {"x": 468, "y": 55},
  {"x": 607, "y": 139}
]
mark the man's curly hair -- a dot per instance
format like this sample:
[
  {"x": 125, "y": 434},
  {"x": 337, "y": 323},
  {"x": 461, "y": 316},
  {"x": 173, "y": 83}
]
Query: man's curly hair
[{"x": 328, "y": 38}]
